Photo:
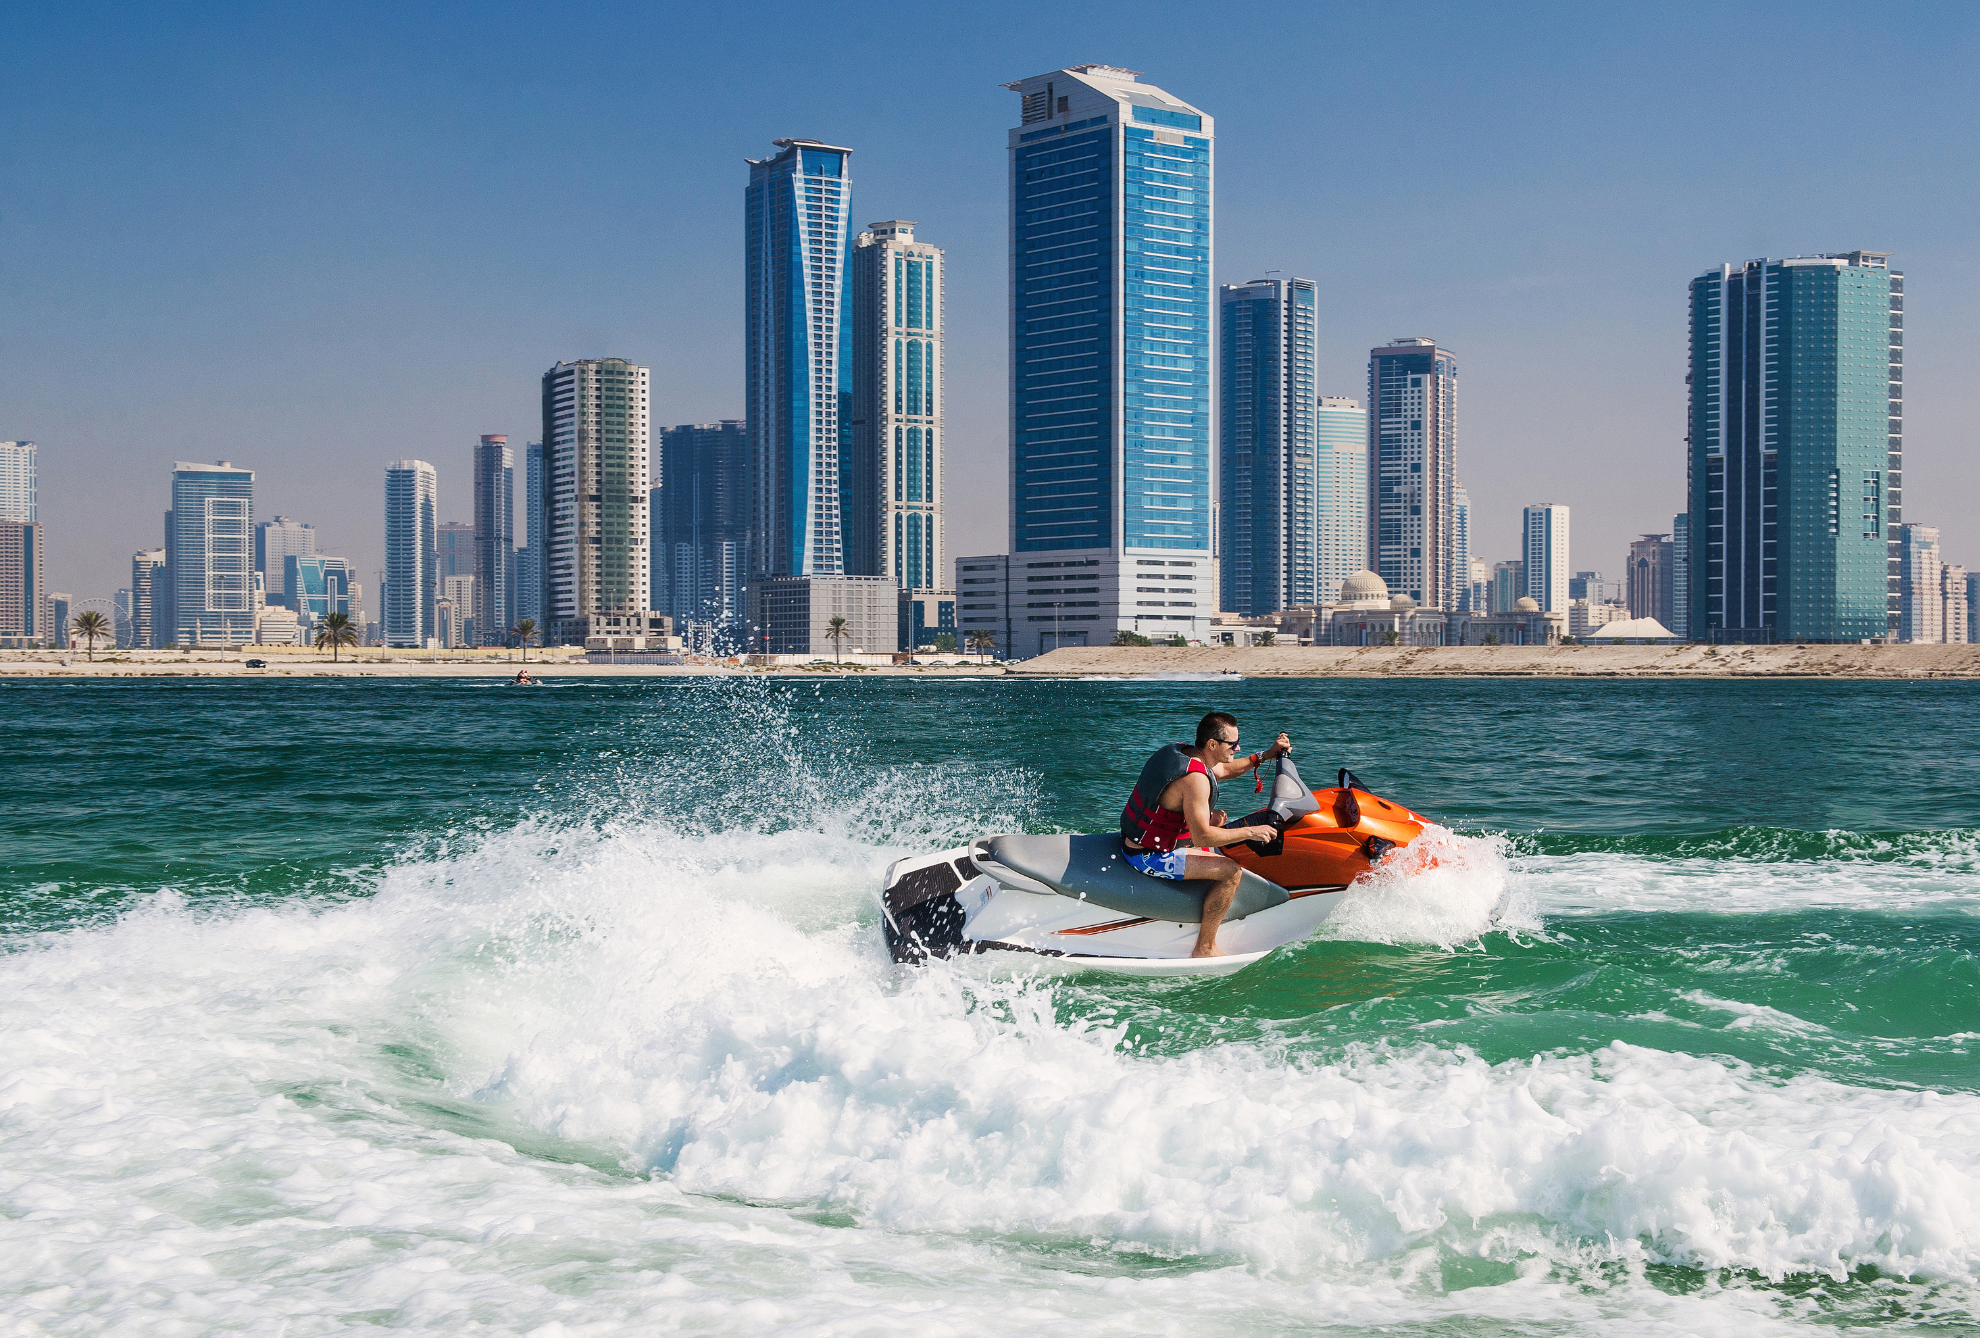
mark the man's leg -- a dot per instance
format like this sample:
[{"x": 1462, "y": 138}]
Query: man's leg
[{"x": 1223, "y": 872}]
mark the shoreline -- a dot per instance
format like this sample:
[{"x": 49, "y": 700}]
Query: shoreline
[
  {"x": 1688, "y": 661},
  {"x": 1900, "y": 662}
]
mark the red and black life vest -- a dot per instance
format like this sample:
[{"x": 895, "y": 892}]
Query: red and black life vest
[{"x": 1144, "y": 821}]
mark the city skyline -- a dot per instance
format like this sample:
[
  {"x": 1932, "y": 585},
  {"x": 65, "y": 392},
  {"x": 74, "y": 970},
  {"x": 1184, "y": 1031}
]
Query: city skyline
[{"x": 1779, "y": 218}]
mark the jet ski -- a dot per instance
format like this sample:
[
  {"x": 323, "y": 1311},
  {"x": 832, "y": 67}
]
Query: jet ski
[{"x": 1074, "y": 903}]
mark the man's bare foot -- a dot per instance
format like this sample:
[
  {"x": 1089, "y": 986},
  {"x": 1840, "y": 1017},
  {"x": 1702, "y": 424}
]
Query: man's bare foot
[{"x": 1212, "y": 951}]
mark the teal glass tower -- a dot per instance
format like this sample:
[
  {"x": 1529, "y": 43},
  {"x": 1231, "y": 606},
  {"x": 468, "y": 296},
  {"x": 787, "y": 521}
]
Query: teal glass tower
[
  {"x": 1111, "y": 320},
  {"x": 1268, "y": 530},
  {"x": 1796, "y": 449},
  {"x": 795, "y": 328}
]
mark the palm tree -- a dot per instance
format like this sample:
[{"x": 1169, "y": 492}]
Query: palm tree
[
  {"x": 982, "y": 643},
  {"x": 89, "y": 625},
  {"x": 836, "y": 633},
  {"x": 334, "y": 630},
  {"x": 521, "y": 634}
]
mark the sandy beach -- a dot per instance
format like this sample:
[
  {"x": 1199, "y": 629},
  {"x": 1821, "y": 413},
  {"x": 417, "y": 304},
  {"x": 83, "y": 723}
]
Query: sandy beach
[
  {"x": 1575, "y": 661},
  {"x": 1691, "y": 661},
  {"x": 375, "y": 662}
]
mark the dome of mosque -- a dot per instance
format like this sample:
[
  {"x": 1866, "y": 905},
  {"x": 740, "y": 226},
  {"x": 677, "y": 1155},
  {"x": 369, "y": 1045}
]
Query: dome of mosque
[
  {"x": 1364, "y": 587},
  {"x": 1402, "y": 603},
  {"x": 1526, "y": 604}
]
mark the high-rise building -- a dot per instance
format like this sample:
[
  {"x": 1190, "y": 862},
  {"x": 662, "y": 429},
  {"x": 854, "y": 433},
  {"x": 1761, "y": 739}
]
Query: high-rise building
[
  {"x": 1340, "y": 478},
  {"x": 597, "y": 489},
  {"x": 891, "y": 474},
  {"x": 1796, "y": 449},
  {"x": 1921, "y": 608},
  {"x": 411, "y": 528},
  {"x": 1460, "y": 541},
  {"x": 1650, "y": 585},
  {"x": 1680, "y": 574},
  {"x": 1508, "y": 585},
  {"x": 274, "y": 541},
  {"x": 701, "y": 521},
  {"x": 494, "y": 538},
  {"x": 796, "y": 335},
  {"x": 61, "y": 617},
  {"x": 1111, "y": 398},
  {"x": 453, "y": 615},
  {"x": 148, "y": 575},
  {"x": 1953, "y": 619},
  {"x": 529, "y": 560},
  {"x": 1412, "y": 476},
  {"x": 1268, "y": 526},
  {"x": 1477, "y": 597},
  {"x": 17, "y": 485},
  {"x": 453, "y": 549},
  {"x": 1595, "y": 586},
  {"x": 26, "y": 618},
  {"x": 1544, "y": 530},
  {"x": 210, "y": 550},
  {"x": 1973, "y": 606}
]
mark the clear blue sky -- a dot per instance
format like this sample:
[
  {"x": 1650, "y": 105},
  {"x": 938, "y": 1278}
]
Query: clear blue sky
[{"x": 312, "y": 239}]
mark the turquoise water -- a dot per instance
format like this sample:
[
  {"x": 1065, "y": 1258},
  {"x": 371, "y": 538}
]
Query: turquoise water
[{"x": 439, "y": 1007}]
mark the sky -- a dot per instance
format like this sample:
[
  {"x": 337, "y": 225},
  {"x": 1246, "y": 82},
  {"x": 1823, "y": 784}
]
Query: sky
[{"x": 313, "y": 239}]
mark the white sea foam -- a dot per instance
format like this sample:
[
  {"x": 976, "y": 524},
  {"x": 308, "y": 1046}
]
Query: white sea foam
[
  {"x": 1441, "y": 889},
  {"x": 635, "y": 1077},
  {"x": 1606, "y": 882}
]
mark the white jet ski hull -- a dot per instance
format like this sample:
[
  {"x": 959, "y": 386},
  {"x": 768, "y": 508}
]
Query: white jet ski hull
[{"x": 965, "y": 902}]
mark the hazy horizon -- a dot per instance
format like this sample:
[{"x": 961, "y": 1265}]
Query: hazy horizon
[{"x": 314, "y": 242}]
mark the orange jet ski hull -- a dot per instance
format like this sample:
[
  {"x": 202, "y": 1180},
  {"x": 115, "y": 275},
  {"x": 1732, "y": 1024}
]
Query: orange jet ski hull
[{"x": 1329, "y": 849}]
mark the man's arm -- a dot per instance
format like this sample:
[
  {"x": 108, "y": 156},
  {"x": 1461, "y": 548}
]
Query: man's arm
[
  {"x": 1237, "y": 766},
  {"x": 1204, "y": 832}
]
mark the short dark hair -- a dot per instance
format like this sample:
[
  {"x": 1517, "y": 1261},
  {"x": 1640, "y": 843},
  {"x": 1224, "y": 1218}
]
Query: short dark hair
[{"x": 1207, "y": 727}]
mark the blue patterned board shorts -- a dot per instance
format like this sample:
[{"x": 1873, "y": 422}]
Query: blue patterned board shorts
[{"x": 1159, "y": 863}]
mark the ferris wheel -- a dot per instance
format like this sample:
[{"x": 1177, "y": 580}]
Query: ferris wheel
[{"x": 111, "y": 633}]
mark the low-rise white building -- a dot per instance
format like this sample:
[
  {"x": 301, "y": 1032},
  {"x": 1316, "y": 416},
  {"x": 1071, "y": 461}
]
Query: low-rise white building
[{"x": 792, "y": 615}]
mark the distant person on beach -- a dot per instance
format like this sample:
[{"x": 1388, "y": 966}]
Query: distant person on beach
[{"x": 1170, "y": 806}]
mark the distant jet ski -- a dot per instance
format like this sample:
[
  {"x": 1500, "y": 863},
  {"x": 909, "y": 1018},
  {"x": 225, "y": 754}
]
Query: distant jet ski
[{"x": 1073, "y": 903}]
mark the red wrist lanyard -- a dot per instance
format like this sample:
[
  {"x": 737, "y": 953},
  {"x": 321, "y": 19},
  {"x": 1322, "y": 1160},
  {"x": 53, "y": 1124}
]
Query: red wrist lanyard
[{"x": 1259, "y": 786}]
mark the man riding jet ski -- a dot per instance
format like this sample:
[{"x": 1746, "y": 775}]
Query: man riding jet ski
[
  {"x": 1141, "y": 902},
  {"x": 1172, "y": 801}
]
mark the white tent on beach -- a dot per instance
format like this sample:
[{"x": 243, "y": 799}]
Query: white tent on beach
[{"x": 1632, "y": 629}]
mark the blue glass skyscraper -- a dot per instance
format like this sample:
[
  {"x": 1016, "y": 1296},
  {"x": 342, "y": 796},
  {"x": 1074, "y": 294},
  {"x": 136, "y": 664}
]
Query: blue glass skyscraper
[
  {"x": 1796, "y": 449},
  {"x": 1268, "y": 528},
  {"x": 1111, "y": 397},
  {"x": 529, "y": 559},
  {"x": 795, "y": 211},
  {"x": 701, "y": 526},
  {"x": 494, "y": 538}
]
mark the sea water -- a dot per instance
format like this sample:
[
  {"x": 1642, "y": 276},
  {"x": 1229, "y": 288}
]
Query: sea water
[{"x": 439, "y": 1007}]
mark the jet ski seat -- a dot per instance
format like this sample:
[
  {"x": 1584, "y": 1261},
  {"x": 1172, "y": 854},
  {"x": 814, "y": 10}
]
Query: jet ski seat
[{"x": 1095, "y": 869}]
